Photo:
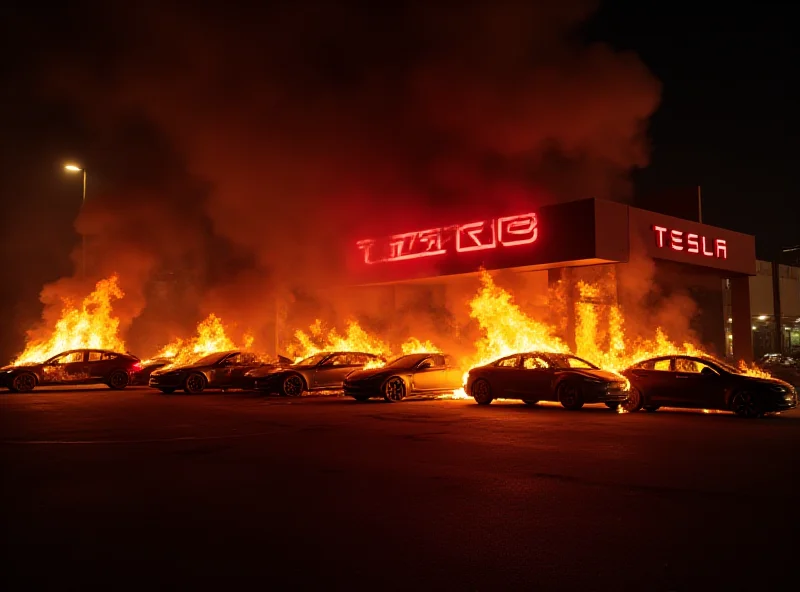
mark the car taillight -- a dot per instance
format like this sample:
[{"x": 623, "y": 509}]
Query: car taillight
[{"x": 136, "y": 367}]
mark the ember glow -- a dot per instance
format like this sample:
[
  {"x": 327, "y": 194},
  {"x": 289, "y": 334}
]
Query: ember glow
[
  {"x": 211, "y": 337},
  {"x": 88, "y": 325}
]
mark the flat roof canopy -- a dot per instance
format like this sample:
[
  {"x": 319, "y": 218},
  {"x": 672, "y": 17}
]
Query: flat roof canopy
[{"x": 584, "y": 232}]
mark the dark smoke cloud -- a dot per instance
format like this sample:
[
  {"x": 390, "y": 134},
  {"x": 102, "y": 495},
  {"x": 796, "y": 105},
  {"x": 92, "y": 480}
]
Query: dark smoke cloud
[{"x": 246, "y": 141}]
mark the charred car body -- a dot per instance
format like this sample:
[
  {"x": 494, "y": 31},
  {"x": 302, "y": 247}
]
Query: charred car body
[
  {"x": 222, "y": 370},
  {"x": 704, "y": 383},
  {"x": 322, "y": 371},
  {"x": 409, "y": 375},
  {"x": 79, "y": 366},
  {"x": 538, "y": 376}
]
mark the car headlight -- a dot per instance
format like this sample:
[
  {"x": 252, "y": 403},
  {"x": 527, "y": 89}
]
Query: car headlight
[
  {"x": 594, "y": 380},
  {"x": 778, "y": 388}
]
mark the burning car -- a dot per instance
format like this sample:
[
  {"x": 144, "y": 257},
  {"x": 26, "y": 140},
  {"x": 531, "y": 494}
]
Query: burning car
[
  {"x": 322, "y": 371},
  {"x": 221, "y": 370},
  {"x": 704, "y": 383},
  {"x": 540, "y": 376},
  {"x": 409, "y": 375},
  {"x": 79, "y": 366}
]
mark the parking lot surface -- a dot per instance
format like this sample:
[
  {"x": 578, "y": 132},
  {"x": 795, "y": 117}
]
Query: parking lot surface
[{"x": 135, "y": 490}]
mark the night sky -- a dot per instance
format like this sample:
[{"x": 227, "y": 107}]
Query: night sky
[{"x": 85, "y": 83}]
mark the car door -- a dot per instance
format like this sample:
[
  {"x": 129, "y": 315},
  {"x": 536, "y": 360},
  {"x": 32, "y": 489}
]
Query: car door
[
  {"x": 534, "y": 377},
  {"x": 98, "y": 364},
  {"x": 68, "y": 368},
  {"x": 330, "y": 374},
  {"x": 239, "y": 365},
  {"x": 431, "y": 374},
  {"x": 700, "y": 385},
  {"x": 503, "y": 376},
  {"x": 454, "y": 376},
  {"x": 655, "y": 380},
  {"x": 220, "y": 374}
]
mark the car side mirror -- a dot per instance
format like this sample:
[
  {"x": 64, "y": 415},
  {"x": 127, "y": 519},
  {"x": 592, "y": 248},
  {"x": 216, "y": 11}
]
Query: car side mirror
[{"x": 425, "y": 365}]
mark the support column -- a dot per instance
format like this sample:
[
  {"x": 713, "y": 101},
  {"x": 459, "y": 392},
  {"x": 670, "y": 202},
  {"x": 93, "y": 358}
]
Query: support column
[
  {"x": 742, "y": 319},
  {"x": 565, "y": 308}
]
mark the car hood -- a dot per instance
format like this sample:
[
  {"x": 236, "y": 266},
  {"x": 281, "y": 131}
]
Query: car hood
[
  {"x": 367, "y": 374},
  {"x": 766, "y": 381},
  {"x": 595, "y": 374},
  {"x": 13, "y": 367}
]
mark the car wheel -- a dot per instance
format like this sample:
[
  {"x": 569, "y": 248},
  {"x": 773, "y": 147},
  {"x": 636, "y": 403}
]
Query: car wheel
[
  {"x": 651, "y": 408},
  {"x": 482, "y": 392},
  {"x": 167, "y": 391},
  {"x": 746, "y": 405},
  {"x": 569, "y": 395},
  {"x": 23, "y": 383},
  {"x": 530, "y": 401},
  {"x": 118, "y": 380},
  {"x": 195, "y": 383},
  {"x": 634, "y": 402},
  {"x": 293, "y": 386},
  {"x": 394, "y": 389},
  {"x": 361, "y": 398}
]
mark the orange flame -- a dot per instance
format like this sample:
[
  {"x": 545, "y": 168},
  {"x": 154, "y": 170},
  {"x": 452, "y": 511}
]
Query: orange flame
[
  {"x": 90, "y": 325},
  {"x": 753, "y": 370},
  {"x": 354, "y": 339},
  {"x": 211, "y": 337},
  {"x": 599, "y": 332}
]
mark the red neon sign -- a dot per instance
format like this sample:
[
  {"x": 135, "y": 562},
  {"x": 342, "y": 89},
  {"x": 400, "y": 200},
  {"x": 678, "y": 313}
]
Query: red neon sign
[
  {"x": 678, "y": 240},
  {"x": 509, "y": 231}
]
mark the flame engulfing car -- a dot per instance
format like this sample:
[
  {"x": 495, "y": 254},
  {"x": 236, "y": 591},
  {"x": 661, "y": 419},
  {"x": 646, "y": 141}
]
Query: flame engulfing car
[
  {"x": 322, "y": 371},
  {"x": 409, "y": 375},
  {"x": 704, "y": 383},
  {"x": 79, "y": 366},
  {"x": 218, "y": 370},
  {"x": 539, "y": 376}
]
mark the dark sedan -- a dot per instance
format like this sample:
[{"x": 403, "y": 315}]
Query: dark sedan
[
  {"x": 322, "y": 371},
  {"x": 220, "y": 370},
  {"x": 539, "y": 376},
  {"x": 704, "y": 383},
  {"x": 413, "y": 374},
  {"x": 79, "y": 366},
  {"x": 782, "y": 367}
]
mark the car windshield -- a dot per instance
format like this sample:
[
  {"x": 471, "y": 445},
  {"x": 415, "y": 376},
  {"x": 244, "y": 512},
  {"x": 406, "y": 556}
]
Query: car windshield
[
  {"x": 408, "y": 361},
  {"x": 312, "y": 360},
  {"x": 563, "y": 361},
  {"x": 211, "y": 358}
]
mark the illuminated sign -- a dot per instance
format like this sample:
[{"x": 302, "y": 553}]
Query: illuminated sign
[
  {"x": 697, "y": 244},
  {"x": 509, "y": 231}
]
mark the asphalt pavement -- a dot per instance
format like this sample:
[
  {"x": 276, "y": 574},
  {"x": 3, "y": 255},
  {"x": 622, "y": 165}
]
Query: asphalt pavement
[{"x": 135, "y": 490}]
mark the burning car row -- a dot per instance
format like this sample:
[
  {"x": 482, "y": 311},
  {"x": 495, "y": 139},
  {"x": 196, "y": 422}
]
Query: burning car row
[{"x": 667, "y": 381}]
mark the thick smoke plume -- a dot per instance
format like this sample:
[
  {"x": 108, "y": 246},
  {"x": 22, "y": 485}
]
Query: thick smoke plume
[{"x": 245, "y": 146}]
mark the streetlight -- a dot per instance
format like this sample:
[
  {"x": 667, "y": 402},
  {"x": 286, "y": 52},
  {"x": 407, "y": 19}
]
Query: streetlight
[{"x": 75, "y": 169}]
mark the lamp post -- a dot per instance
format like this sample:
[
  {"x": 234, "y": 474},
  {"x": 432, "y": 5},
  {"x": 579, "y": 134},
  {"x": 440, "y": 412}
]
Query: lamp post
[{"x": 75, "y": 169}]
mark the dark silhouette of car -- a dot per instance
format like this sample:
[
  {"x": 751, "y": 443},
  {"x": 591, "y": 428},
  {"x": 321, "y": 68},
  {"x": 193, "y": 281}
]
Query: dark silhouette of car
[
  {"x": 697, "y": 382},
  {"x": 782, "y": 367},
  {"x": 219, "y": 370},
  {"x": 541, "y": 376},
  {"x": 405, "y": 376},
  {"x": 77, "y": 366},
  {"x": 142, "y": 377},
  {"x": 322, "y": 371}
]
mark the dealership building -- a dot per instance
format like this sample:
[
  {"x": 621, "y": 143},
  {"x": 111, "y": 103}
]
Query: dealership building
[{"x": 551, "y": 251}]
